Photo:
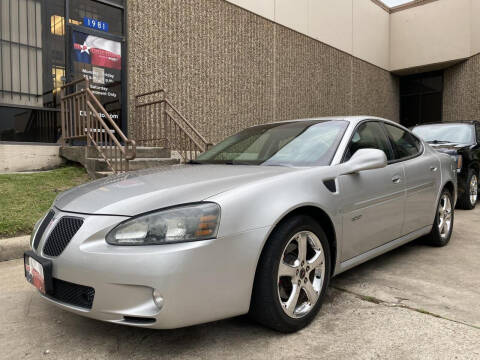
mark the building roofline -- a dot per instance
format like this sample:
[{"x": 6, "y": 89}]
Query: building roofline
[
  {"x": 382, "y": 5},
  {"x": 406, "y": 6}
]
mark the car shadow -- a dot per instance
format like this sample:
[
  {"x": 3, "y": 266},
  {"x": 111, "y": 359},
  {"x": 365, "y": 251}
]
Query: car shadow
[
  {"x": 383, "y": 261},
  {"x": 119, "y": 341},
  {"x": 386, "y": 261},
  {"x": 238, "y": 335}
]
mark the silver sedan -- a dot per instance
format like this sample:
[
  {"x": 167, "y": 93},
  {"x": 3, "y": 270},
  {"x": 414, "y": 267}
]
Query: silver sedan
[{"x": 258, "y": 224}]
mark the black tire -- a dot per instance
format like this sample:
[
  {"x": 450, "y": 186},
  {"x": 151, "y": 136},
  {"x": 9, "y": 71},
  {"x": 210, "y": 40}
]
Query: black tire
[
  {"x": 464, "y": 200},
  {"x": 435, "y": 238},
  {"x": 265, "y": 304}
]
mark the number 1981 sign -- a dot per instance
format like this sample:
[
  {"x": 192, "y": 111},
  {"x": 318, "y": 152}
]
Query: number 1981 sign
[{"x": 95, "y": 24}]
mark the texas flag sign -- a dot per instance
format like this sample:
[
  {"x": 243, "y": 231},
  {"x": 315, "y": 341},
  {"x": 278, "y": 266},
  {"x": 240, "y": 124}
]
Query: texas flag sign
[{"x": 97, "y": 51}]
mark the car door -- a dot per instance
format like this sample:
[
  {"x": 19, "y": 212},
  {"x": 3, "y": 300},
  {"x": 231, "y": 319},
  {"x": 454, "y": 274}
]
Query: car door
[
  {"x": 373, "y": 200},
  {"x": 422, "y": 178}
]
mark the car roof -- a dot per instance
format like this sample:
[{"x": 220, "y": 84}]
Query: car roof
[{"x": 351, "y": 119}]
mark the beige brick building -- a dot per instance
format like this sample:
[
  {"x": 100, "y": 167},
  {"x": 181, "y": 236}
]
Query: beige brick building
[{"x": 226, "y": 65}]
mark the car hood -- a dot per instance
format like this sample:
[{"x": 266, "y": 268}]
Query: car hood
[
  {"x": 142, "y": 191},
  {"x": 448, "y": 148}
]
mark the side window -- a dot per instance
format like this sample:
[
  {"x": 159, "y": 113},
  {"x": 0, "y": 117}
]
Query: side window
[
  {"x": 369, "y": 135},
  {"x": 477, "y": 128},
  {"x": 404, "y": 144}
]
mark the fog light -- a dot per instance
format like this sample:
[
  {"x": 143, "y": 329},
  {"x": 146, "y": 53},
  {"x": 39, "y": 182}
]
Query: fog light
[{"x": 158, "y": 299}]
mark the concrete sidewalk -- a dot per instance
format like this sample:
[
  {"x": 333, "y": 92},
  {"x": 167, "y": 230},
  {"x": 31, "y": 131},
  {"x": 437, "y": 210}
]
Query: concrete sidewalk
[
  {"x": 348, "y": 327},
  {"x": 444, "y": 281},
  {"x": 415, "y": 302}
]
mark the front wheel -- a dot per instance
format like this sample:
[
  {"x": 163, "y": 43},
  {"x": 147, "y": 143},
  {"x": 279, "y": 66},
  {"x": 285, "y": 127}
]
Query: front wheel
[
  {"x": 443, "y": 224},
  {"x": 292, "y": 275}
]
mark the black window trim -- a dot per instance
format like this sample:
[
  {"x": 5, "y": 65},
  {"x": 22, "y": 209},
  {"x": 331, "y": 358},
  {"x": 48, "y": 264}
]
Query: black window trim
[
  {"x": 476, "y": 126},
  {"x": 395, "y": 161},
  {"x": 355, "y": 130}
]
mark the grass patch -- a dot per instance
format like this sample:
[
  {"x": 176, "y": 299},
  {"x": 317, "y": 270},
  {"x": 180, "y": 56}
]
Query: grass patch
[{"x": 26, "y": 197}]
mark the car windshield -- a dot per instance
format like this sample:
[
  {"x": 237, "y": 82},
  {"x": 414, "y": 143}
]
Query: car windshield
[
  {"x": 295, "y": 143},
  {"x": 447, "y": 133}
]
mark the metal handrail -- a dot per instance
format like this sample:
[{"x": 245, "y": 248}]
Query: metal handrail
[
  {"x": 74, "y": 82},
  {"x": 95, "y": 142},
  {"x": 151, "y": 93},
  {"x": 163, "y": 122},
  {"x": 205, "y": 142},
  {"x": 77, "y": 93},
  {"x": 112, "y": 123},
  {"x": 84, "y": 117},
  {"x": 182, "y": 128}
]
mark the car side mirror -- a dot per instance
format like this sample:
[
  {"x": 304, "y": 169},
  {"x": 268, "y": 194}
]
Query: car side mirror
[{"x": 365, "y": 159}]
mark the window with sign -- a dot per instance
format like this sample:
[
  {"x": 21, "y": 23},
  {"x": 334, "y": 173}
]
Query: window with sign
[
  {"x": 37, "y": 56},
  {"x": 98, "y": 16}
]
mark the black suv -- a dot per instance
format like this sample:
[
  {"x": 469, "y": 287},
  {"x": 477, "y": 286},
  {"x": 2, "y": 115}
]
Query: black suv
[{"x": 461, "y": 140}]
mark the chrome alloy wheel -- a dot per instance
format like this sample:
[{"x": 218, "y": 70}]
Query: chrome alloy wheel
[
  {"x": 444, "y": 216},
  {"x": 301, "y": 274},
  {"x": 473, "y": 189}
]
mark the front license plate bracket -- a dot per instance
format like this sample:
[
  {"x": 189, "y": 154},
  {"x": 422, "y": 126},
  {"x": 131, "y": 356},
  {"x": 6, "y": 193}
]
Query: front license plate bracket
[{"x": 46, "y": 269}]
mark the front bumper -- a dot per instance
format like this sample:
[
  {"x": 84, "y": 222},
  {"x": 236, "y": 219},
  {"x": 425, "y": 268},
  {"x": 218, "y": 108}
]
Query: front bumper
[
  {"x": 199, "y": 281},
  {"x": 462, "y": 182}
]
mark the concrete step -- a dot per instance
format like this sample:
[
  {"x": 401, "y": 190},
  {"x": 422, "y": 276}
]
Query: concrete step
[
  {"x": 73, "y": 153},
  {"x": 152, "y": 152},
  {"x": 137, "y": 164},
  {"x": 142, "y": 152},
  {"x": 102, "y": 174}
]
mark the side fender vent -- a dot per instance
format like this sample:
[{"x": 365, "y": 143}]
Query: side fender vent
[{"x": 331, "y": 185}]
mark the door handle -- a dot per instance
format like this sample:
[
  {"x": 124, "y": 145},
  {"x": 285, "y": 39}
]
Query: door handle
[
  {"x": 433, "y": 168},
  {"x": 396, "y": 179}
]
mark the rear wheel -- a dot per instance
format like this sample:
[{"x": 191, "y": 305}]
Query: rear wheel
[
  {"x": 468, "y": 200},
  {"x": 443, "y": 225},
  {"x": 292, "y": 275}
]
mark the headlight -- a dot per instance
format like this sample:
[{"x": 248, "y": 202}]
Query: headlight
[{"x": 179, "y": 224}]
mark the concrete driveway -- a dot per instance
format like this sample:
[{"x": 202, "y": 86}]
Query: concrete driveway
[{"x": 416, "y": 302}]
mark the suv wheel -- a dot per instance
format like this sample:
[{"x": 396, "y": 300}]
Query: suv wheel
[
  {"x": 443, "y": 224},
  {"x": 468, "y": 200}
]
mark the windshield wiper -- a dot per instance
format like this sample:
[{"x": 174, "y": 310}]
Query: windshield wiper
[
  {"x": 226, "y": 162},
  {"x": 236, "y": 162},
  {"x": 438, "y": 142}
]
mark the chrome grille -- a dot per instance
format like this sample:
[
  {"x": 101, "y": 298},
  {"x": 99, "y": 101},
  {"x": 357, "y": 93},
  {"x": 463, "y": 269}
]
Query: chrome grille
[{"x": 61, "y": 235}]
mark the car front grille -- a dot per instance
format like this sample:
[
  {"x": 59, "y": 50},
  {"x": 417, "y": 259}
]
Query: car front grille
[
  {"x": 61, "y": 235},
  {"x": 73, "y": 294},
  {"x": 42, "y": 227}
]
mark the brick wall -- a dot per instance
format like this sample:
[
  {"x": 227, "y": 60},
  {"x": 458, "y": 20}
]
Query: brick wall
[
  {"x": 461, "y": 91},
  {"x": 225, "y": 68}
]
